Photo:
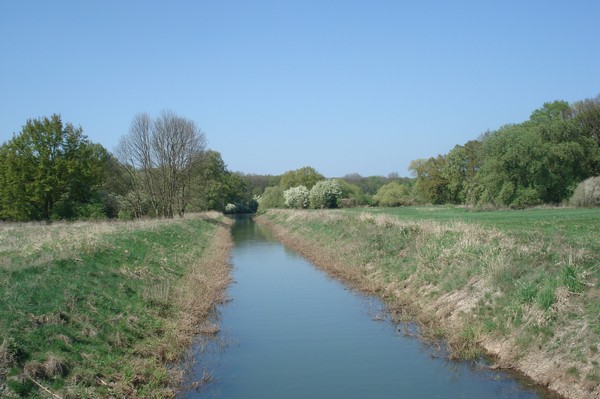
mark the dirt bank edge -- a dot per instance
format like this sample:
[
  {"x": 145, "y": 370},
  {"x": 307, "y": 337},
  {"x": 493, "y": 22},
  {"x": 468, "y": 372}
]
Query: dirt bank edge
[{"x": 200, "y": 291}]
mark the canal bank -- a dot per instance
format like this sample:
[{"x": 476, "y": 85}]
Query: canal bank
[
  {"x": 290, "y": 331},
  {"x": 457, "y": 280}
]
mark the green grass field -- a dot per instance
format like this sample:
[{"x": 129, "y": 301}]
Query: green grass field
[
  {"x": 572, "y": 223},
  {"x": 92, "y": 309},
  {"x": 522, "y": 283}
]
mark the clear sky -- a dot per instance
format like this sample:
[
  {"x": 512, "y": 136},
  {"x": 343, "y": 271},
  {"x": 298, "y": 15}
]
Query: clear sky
[{"x": 342, "y": 86}]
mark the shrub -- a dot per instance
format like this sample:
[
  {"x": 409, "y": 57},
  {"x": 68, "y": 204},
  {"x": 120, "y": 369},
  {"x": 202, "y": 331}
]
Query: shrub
[
  {"x": 124, "y": 215},
  {"x": 325, "y": 194},
  {"x": 242, "y": 207},
  {"x": 526, "y": 197},
  {"x": 296, "y": 197},
  {"x": 587, "y": 193},
  {"x": 230, "y": 209},
  {"x": 253, "y": 204},
  {"x": 393, "y": 194},
  {"x": 93, "y": 211},
  {"x": 271, "y": 198},
  {"x": 352, "y": 195}
]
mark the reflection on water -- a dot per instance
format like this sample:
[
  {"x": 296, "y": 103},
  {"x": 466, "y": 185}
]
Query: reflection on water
[{"x": 291, "y": 332}]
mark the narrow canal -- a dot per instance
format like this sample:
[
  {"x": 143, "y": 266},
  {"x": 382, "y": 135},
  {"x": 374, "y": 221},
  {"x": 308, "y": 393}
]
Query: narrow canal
[{"x": 291, "y": 332}]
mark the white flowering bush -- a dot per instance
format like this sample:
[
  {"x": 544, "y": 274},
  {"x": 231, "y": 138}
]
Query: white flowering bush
[
  {"x": 296, "y": 197},
  {"x": 325, "y": 194},
  {"x": 230, "y": 208},
  {"x": 587, "y": 193}
]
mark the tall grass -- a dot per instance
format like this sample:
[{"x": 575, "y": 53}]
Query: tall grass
[
  {"x": 523, "y": 285},
  {"x": 101, "y": 309}
]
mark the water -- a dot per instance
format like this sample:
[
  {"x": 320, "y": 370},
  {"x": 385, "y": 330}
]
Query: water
[{"x": 291, "y": 332}]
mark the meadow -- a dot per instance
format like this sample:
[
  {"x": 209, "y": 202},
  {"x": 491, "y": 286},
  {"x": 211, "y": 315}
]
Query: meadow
[
  {"x": 105, "y": 309},
  {"x": 522, "y": 286}
]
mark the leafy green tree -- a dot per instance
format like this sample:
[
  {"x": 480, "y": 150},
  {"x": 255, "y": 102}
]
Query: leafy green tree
[
  {"x": 462, "y": 164},
  {"x": 49, "y": 169},
  {"x": 214, "y": 186},
  {"x": 570, "y": 156},
  {"x": 512, "y": 157},
  {"x": 271, "y": 198},
  {"x": 305, "y": 176},
  {"x": 256, "y": 184},
  {"x": 587, "y": 116},
  {"x": 431, "y": 182},
  {"x": 353, "y": 193},
  {"x": 538, "y": 161},
  {"x": 393, "y": 194}
]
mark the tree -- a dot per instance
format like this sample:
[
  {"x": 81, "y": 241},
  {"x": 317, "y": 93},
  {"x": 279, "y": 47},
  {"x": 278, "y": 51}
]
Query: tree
[
  {"x": 513, "y": 156},
  {"x": 325, "y": 194},
  {"x": 393, "y": 194},
  {"x": 162, "y": 157},
  {"x": 352, "y": 194},
  {"x": 305, "y": 176},
  {"x": 462, "y": 164},
  {"x": 538, "y": 161},
  {"x": 271, "y": 198},
  {"x": 432, "y": 184},
  {"x": 371, "y": 184},
  {"x": 256, "y": 184},
  {"x": 49, "y": 164},
  {"x": 215, "y": 186},
  {"x": 569, "y": 156},
  {"x": 587, "y": 116}
]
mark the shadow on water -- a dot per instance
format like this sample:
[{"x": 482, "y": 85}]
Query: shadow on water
[{"x": 289, "y": 331}]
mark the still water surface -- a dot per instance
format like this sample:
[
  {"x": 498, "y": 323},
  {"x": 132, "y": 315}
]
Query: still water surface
[{"x": 291, "y": 332}]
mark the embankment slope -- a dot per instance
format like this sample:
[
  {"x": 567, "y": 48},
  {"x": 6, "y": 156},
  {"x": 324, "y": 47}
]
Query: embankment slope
[
  {"x": 106, "y": 309},
  {"x": 528, "y": 296}
]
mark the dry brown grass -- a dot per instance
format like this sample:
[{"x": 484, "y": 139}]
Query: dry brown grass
[
  {"x": 197, "y": 295},
  {"x": 62, "y": 240},
  {"x": 6, "y": 359}
]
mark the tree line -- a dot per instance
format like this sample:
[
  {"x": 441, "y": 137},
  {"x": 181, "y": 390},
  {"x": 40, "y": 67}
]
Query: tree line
[
  {"x": 551, "y": 158},
  {"x": 539, "y": 161},
  {"x": 162, "y": 167},
  {"x": 307, "y": 188}
]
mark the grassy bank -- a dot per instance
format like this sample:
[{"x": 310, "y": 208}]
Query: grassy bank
[
  {"x": 522, "y": 285},
  {"x": 105, "y": 309}
]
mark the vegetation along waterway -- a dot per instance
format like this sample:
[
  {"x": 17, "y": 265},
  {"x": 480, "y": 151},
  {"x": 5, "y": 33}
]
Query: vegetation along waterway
[
  {"x": 103, "y": 309},
  {"x": 522, "y": 286},
  {"x": 289, "y": 331}
]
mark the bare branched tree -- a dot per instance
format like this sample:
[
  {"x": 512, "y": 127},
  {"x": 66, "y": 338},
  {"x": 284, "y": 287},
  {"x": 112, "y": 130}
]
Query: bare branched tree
[{"x": 162, "y": 157}]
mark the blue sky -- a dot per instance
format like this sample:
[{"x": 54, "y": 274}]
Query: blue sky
[{"x": 343, "y": 86}]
